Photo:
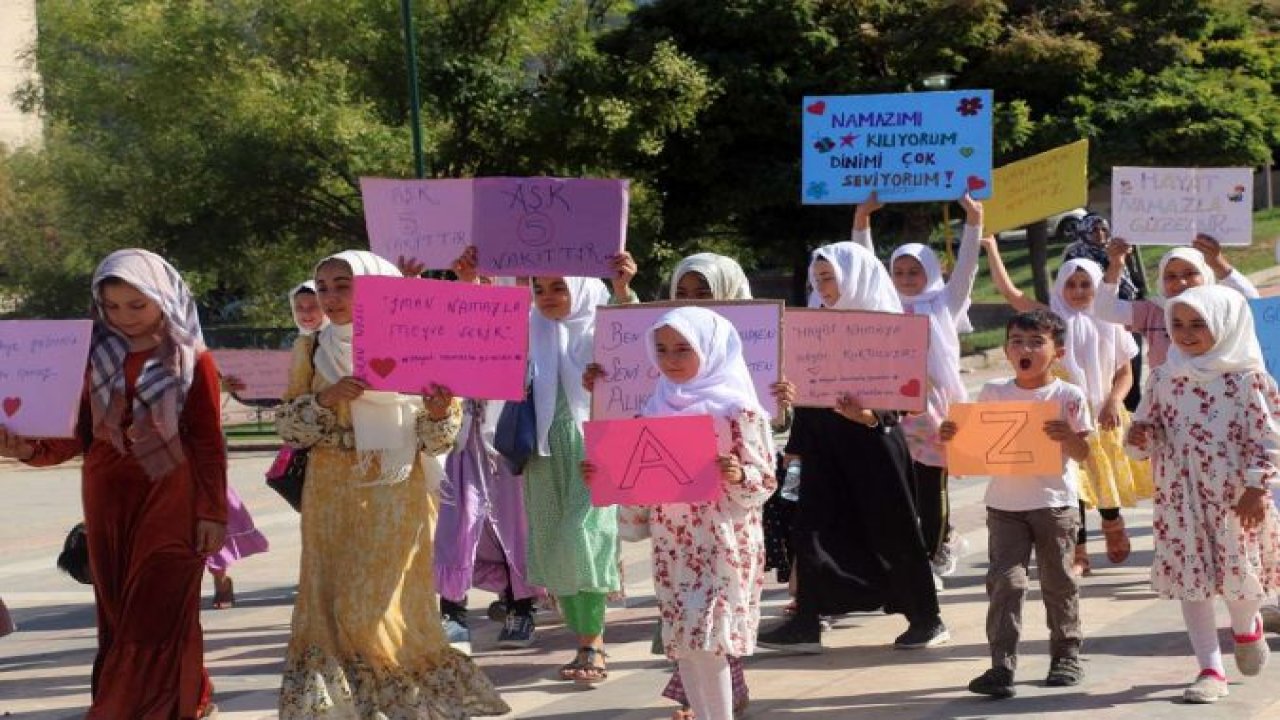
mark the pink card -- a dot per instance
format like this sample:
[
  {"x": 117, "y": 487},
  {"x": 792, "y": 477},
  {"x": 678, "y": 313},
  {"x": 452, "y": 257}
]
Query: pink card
[
  {"x": 411, "y": 333},
  {"x": 427, "y": 220},
  {"x": 653, "y": 461},
  {"x": 265, "y": 373},
  {"x": 42, "y": 367},
  {"x": 550, "y": 226},
  {"x": 878, "y": 357}
]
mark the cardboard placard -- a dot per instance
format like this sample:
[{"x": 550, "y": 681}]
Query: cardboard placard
[
  {"x": 1034, "y": 188},
  {"x": 1170, "y": 206},
  {"x": 265, "y": 373},
  {"x": 907, "y": 147},
  {"x": 653, "y": 461},
  {"x": 411, "y": 333},
  {"x": 519, "y": 226},
  {"x": 1003, "y": 438},
  {"x": 880, "y": 358},
  {"x": 42, "y": 375},
  {"x": 629, "y": 375}
]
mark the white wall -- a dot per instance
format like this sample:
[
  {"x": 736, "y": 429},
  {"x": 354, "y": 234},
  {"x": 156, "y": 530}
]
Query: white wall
[{"x": 17, "y": 33}]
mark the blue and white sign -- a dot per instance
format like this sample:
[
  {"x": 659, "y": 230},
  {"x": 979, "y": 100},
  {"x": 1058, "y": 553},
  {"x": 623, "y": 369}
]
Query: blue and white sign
[{"x": 907, "y": 147}]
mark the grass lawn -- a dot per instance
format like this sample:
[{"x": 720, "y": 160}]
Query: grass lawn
[{"x": 1258, "y": 256}]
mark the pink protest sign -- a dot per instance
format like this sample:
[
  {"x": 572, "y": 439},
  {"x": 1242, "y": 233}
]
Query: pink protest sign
[
  {"x": 549, "y": 226},
  {"x": 427, "y": 220},
  {"x": 630, "y": 376},
  {"x": 42, "y": 366},
  {"x": 264, "y": 373},
  {"x": 412, "y": 333},
  {"x": 879, "y": 358},
  {"x": 653, "y": 461}
]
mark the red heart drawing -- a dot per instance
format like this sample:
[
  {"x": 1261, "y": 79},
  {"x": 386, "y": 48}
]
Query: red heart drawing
[
  {"x": 817, "y": 108},
  {"x": 11, "y": 405},
  {"x": 382, "y": 366},
  {"x": 910, "y": 389},
  {"x": 976, "y": 183}
]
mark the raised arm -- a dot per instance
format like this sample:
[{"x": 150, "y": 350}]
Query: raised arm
[
  {"x": 1004, "y": 284},
  {"x": 1107, "y": 305},
  {"x": 960, "y": 286},
  {"x": 861, "y": 232}
]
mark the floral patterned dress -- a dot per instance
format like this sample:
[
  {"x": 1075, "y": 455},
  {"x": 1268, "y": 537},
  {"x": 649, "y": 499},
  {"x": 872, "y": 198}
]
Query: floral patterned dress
[
  {"x": 708, "y": 558},
  {"x": 366, "y": 638},
  {"x": 1213, "y": 440}
]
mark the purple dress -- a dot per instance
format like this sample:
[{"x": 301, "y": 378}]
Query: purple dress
[
  {"x": 481, "y": 532},
  {"x": 243, "y": 539}
]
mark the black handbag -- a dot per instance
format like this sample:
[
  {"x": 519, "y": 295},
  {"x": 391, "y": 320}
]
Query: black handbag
[
  {"x": 74, "y": 558},
  {"x": 516, "y": 436},
  {"x": 288, "y": 474}
]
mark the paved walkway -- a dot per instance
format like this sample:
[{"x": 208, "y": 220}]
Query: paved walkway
[{"x": 1136, "y": 656}]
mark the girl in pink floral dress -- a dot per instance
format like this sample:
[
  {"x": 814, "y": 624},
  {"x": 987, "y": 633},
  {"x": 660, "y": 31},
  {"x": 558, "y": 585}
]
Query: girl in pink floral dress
[
  {"x": 708, "y": 558},
  {"x": 1210, "y": 422}
]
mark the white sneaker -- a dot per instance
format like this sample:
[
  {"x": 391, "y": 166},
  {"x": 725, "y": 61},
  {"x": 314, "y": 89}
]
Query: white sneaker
[
  {"x": 937, "y": 582},
  {"x": 1206, "y": 689}
]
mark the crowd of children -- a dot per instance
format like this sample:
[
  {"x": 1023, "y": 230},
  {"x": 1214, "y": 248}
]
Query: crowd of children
[{"x": 385, "y": 527}]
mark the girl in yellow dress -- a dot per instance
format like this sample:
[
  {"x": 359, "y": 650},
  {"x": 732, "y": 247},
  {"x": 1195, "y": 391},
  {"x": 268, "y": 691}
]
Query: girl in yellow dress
[
  {"x": 366, "y": 639},
  {"x": 1097, "y": 360}
]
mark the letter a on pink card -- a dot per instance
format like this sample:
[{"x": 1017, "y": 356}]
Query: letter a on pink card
[{"x": 653, "y": 461}]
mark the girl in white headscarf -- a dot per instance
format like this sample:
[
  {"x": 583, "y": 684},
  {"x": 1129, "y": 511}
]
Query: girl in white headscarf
[
  {"x": 154, "y": 486},
  {"x": 1182, "y": 267},
  {"x": 1210, "y": 423},
  {"x": 721, "y": 543},
  {"x": 305, "y": 306},
  {"x": 708, "y": 276},
  {"x": 367, "y": 638},
  {"x": 573, "y": 546},
  {"x": 858, "y": 539},
  {"x": 1097, "y": 360},
  {"x": 917, "y": 276}
]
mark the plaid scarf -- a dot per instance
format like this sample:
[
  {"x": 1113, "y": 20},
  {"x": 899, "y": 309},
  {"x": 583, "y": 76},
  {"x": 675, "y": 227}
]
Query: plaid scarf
[{"x": 153, "y": 437}]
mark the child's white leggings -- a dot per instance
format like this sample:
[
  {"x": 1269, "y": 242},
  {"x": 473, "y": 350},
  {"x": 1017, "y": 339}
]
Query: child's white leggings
[
  {"x": 1203, "y": 629},
  {"x": 707, "y": 684}
]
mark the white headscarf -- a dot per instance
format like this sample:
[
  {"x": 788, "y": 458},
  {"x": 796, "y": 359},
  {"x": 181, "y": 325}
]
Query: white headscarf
[
  {"x": 308, "y": 286},
  {"x": 944, "y": 330},
  {"x": 1095, "y": 349},
  {"x": 1188, "y": 254},
  {"x": 385, "y": 423},
  {"x": 1235, "y": 344},
  {"x": 864, "y": 283},
  {"x": 561, "y": 351},
  {"x": 722, "y": 387},
  {"x": 723, "y": 275},
  {"x": 160, "y": 391}
]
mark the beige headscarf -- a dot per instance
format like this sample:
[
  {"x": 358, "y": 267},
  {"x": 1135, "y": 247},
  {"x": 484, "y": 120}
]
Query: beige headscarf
[{"x": 723, "y": 275}]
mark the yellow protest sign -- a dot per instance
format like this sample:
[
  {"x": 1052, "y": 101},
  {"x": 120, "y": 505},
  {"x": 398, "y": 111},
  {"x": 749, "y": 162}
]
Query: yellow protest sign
[
  {"x": 1004, "y": 438},
  {"x": 1034, "y": 188}
]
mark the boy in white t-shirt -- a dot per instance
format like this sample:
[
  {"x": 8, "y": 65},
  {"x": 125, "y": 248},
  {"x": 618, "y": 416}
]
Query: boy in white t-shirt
[{"x": 1039, "y": 512}]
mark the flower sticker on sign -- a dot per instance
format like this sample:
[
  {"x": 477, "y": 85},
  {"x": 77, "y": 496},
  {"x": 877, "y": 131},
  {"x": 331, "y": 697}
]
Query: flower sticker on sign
[
  {"x": 42, "y": 367},
  {"x": 907, "y": 147},
  {"x": 411, "y": 333}
]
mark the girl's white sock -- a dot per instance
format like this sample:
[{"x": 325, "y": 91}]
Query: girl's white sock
[
  {"x": 1202, "y": 629},
  {"x": 1244, "y": 616},
  {"x": 707, "y": 684}
]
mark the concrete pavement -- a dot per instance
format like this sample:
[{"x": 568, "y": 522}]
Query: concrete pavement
[{"x": 1137, "y": 658}]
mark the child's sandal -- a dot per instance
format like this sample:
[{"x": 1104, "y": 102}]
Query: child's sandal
[
  {"x": 224, "y": 593},
  {"x": 570, "y": 670},
  {"x": 590, "y": 672},
  {"x": 1117, "y": 540},
  {"x": 684, "y": 713}
]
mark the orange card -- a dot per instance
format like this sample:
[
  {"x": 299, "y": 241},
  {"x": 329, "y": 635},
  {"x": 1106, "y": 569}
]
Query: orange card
[{"x": 1003, "y": 438}]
